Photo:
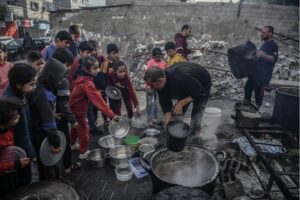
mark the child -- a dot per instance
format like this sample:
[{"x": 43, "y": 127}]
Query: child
[
  {"x": 156, "y": 60},
  {"x": 42, "y": 108},
  {"x": 85, "y": 49},
  {"x": 84, "y": 91},
  {"x": 22, "y": 81},
  {"x": 100, "y": 84},
  {"x": 174, "y": 57},
  {"x": 9, "y": 109},
  {"x": 119, "y": 78},
  {"x": 75, "y": 32},
  {"x": 112, "y": 57},
  {"x": 62, "y": 40},
  {"x": 36, "y": 60},
  {"x": 63, "y": 108},
  {"x": 4, "y": 68}
]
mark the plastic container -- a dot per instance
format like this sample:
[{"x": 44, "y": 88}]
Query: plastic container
[
  {"x": 123, "y": 173},
  {"x": 210, "y": 122},
  {"x": 132, "y": 140}
]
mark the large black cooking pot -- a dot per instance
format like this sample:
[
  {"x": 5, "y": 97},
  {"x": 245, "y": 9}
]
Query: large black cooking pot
[
  {"x": 286, "y": 108},
  {"x": 192, "y": 167},
  {"x": 242, "y": 59},
  {"x": 177, "y": 133}
]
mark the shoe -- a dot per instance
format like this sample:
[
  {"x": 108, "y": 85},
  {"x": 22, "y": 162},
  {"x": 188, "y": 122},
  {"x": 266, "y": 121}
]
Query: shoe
[
  {"x": 75, "y": 147},
  {"x": 84, "y": 155}
]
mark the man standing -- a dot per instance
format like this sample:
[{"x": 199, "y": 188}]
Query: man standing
[
  {"x": 267, "y": 57},
  {"x": 27, "y": 43},
  {"x": 184, "y": 82},
  {"x": 181, "y": 41}
]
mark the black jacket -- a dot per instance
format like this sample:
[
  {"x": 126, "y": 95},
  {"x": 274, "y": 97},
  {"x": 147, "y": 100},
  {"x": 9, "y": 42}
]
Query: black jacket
[
  {"x": 42, "y": 103},
  {"x": 184, "y": 79}
]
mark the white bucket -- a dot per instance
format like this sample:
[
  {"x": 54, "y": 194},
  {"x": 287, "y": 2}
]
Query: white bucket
[{"x": 210, "y": 122}]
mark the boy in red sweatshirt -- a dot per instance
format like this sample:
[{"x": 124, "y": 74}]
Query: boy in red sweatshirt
[
  {"x": 9, "y": 109},
  {"x": 4, "y": 68},
  {"x": 83, "y": 92}
]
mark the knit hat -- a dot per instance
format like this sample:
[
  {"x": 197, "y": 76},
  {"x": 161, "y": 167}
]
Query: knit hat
[
  {"x": 112, "y": 47},
  {"x": 170, "y": 45},
  {"x": 156, "y": 51}
]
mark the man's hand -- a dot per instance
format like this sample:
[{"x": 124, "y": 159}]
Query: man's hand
[
  {"x": 168, "y": 117},
  {"x": 75, "y": 126},
  {"x": 178, "y": 108},
  {"x": 260, "y": 54},
  {"x": 116, "y": 118},
  {"x": 24, "y": 162},
  {"x": 58, "y": 116},
  {"x": 55, "y": 150}
]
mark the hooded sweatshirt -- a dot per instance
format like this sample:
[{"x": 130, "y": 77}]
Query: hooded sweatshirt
[
  {"x": 83, "y": 92},
  {"x": 42, "y": 103}
]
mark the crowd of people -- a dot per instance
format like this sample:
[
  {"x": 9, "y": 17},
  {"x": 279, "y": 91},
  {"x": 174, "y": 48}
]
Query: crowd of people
[{"x": 63, "y": 87}]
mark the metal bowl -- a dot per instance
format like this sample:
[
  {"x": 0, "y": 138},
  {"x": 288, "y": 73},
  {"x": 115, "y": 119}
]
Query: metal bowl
[
  {"x": 151, "y": 132},
  {"x": 120, "y": 155},
  {"x": 139, "y": 122},
  {"x": 108, "y": 142},
  {"x": 120, "y": 128},
  {"x": 145, "y": 148},
  {"x": 149, "y": 140},
  {"x": 113, "y": 92},
  {"x": 97, "y": 158}
]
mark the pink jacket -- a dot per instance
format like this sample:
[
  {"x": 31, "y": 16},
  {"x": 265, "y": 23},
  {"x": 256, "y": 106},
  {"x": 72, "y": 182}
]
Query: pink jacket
[
  {"x": 4, "y": 68},
  {"x": 152, "y": 63}
]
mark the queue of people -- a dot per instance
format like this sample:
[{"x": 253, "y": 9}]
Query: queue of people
[{"x": 63, "y": 88}]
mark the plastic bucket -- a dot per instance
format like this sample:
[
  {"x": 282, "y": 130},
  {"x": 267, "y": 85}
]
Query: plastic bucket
[{"x": 210, "y": 122}]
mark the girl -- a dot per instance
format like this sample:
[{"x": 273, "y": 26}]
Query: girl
[
  {"x": 119, "y": 78},
  {"x": 83, "y": 92},
  {"x": 9, "y": 109}
]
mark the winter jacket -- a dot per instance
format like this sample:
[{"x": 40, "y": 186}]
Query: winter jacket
[
  {"x": 84, "y": 91},
  {"x": 182, "y": 45},
  {"x": 23, "y": 130},
  {"x": 175, "y": 59},
  {"x": 62, "y": 102},
  {"x": 48, "y": 52},
  {"x": 152, "y": 63},
  {"x": 6, "y": 140},
  {"x": 126, "y": 86},
  {"x": 4, "y": 68},
  {"x": 42, "y": 103}
]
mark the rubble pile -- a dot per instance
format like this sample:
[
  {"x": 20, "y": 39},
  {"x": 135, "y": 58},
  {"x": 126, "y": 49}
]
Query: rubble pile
[{"x": 212, "y": 55}]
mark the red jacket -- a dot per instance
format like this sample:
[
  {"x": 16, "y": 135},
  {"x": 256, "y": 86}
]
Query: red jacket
[
  {"x": 4, "y": 68},
  {"x": 82, "y": 93},
  {"x": 6, "y": 140},
  {"x": 126, "y": 86}
]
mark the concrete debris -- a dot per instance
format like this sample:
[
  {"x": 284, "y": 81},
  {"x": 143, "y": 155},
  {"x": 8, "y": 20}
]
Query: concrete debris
[{"x": 224, "y": 84}]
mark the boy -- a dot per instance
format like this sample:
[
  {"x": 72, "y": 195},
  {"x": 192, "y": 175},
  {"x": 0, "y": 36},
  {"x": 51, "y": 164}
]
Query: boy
[
  {"x": 36, "y": 60},
  {"x": 22, "y": 81},
  {"x": 62, "y": 40},
  {"x": 42, "y": 107},
  {"x": 4, "y": 68},
  {"x": 75, "y": 32},
  {"x": 174, "y": 57}
]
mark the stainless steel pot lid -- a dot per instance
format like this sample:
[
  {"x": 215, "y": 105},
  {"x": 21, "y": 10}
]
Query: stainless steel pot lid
[
  {"x": 47, "y": 157},
  {"x": 113, "y": 92},
  {"x": 12, "y": 153},
  {"x": 120, "y": 128},
  {"x": 151, "y": 132}
]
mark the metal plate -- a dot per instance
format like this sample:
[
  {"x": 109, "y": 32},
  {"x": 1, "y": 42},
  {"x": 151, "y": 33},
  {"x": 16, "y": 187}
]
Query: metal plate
[
  {"x": 151, "y": 132},
  {"x": 113, "y": 92},
  {"x": 47, "y": 157},
  {"x": 119, "y": 129},
  {"x": 12, "y": 153}
]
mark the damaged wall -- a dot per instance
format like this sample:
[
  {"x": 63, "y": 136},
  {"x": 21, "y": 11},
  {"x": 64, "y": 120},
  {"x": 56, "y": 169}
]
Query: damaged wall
[{"x": 141, "y": 21}]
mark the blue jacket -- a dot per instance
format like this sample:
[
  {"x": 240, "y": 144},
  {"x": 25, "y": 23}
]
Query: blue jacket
[
  {"x": 73, "y": 47},
  {"x": 49, "y": 51},
  {"x": 23, "y": 130}
]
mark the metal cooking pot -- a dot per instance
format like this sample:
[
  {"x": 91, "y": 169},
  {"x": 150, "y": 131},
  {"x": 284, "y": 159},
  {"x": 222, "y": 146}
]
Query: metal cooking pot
[
  {"x": 97, "y": 158},
  {"x": 107, "y": 142},
  {"x": 120, "y": 155},
  {"x": 177, "y": 133},
  {"x": 192, "y": 167}
]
